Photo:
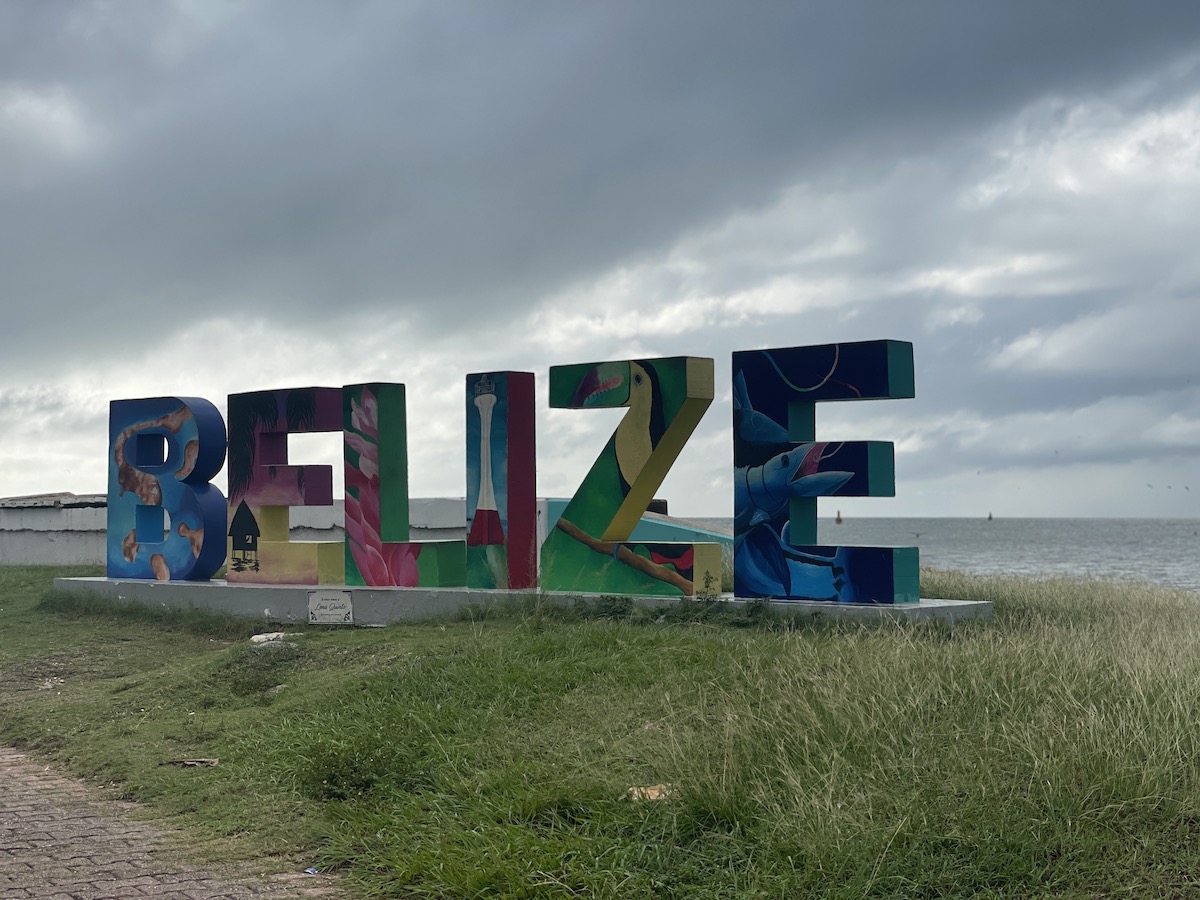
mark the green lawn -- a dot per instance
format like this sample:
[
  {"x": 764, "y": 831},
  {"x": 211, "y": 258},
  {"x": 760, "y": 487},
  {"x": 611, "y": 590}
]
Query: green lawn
[{"x": 1053, "y": 751}]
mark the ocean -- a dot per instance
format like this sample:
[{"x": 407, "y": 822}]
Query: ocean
[{"x": 1155, "y": 551}]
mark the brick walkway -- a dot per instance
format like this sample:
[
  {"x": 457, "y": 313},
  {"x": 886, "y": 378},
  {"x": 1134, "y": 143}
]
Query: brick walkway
[{"x": 57, "y": 842}]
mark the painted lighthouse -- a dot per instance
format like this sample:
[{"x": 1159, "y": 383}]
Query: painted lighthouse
[
  {"x": 486, "y": 528},
  {"x": 501, "y": 505}
]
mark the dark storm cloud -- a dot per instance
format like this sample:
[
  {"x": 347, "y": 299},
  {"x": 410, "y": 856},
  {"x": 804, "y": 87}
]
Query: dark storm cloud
[
  {"x": 297, "y": 157},
  {"x": 1012, "y": 187}
]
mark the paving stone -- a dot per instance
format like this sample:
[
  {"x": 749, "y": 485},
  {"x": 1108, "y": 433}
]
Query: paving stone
[{"x": 58, "y": 842}]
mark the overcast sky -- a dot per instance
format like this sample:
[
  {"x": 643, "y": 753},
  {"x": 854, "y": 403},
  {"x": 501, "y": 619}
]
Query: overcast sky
[{"x": 200, "y": 197}]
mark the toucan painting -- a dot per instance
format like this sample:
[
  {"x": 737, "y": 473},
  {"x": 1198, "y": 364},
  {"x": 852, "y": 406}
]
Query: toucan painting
[
  {"x": 663, "y": 400},
  {"x": 634, "y": 384}
]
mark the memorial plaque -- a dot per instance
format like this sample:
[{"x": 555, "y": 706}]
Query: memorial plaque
[{"x": 330, "y": 608}]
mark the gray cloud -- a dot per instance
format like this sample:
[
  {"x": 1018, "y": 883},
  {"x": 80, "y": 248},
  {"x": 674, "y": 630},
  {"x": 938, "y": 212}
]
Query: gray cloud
[
  {"x": 373, "y": 155},
  {"x": 342, "y": 191}
]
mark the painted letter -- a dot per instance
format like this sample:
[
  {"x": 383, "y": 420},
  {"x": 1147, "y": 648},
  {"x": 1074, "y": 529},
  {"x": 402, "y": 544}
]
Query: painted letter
[
  {"x": 378, "y": 551},
  {"x": 262, "y": 486},
  {"x": 588, "y": 548},
  {"x": 501, "y": 481},
  {"x": 780, "y": 469},
  {"x": 165, "y": 520}
]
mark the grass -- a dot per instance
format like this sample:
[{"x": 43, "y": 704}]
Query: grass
[{"x": 1049, "y": 752}]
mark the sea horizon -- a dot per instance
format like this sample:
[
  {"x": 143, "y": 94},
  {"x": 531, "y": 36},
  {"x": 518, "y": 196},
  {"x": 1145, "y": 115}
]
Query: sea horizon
[{"x": 1162, "y": 551}]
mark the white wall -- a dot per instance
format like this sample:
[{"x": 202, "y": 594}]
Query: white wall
[{"x": 65, "y": 529}]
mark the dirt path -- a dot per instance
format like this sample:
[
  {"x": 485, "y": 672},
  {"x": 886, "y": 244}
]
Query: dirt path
[{"x": 58, "y": 842}]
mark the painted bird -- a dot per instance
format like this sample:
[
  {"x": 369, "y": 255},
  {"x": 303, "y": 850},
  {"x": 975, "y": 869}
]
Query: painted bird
[
  {"x": 634, "y": 385},
  {"x": 642, "y": 427}
]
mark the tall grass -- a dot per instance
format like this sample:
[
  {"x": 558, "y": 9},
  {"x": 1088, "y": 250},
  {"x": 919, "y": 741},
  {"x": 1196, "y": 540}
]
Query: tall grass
[
  {"x": 195, "y": 621},
  {"x": 1051, "y": 751}
]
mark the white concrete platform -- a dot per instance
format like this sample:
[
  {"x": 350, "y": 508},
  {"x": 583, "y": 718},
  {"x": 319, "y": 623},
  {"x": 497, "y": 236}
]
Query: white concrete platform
[{"x": 384, "y": 606}]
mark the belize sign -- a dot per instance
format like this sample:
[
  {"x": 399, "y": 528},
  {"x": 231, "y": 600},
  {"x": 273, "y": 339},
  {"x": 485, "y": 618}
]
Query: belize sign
[{"x": 167, "y": 521}]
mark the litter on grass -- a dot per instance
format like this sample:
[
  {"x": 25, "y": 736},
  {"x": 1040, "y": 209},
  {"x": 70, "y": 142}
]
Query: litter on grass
[{"x": 653, "y": 792}]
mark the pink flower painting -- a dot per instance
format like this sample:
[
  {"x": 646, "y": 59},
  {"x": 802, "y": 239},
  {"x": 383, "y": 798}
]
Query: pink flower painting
[{"x": 380, "y": 564}]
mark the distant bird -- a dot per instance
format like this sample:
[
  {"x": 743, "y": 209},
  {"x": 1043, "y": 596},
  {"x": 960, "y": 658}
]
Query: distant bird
[{"x": 1149, "y": 485}]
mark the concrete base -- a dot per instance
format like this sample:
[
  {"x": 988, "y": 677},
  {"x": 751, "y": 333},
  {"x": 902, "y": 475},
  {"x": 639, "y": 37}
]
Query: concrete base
[{"x": 384, "y": 606}]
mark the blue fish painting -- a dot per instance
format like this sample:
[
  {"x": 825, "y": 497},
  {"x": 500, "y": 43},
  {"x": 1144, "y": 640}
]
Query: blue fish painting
[
  {"x": 763, "y": 493},
  {"x": 778, "y": 461}
]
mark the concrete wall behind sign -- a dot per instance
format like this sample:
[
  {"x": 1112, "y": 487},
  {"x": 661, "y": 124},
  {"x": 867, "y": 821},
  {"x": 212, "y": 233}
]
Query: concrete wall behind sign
[
  {"x": 52, "y": 529},
  {"x": 69, "y": 529}
]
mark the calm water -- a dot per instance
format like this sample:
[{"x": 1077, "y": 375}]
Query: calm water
[{"x": 1158, "y": 551}]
